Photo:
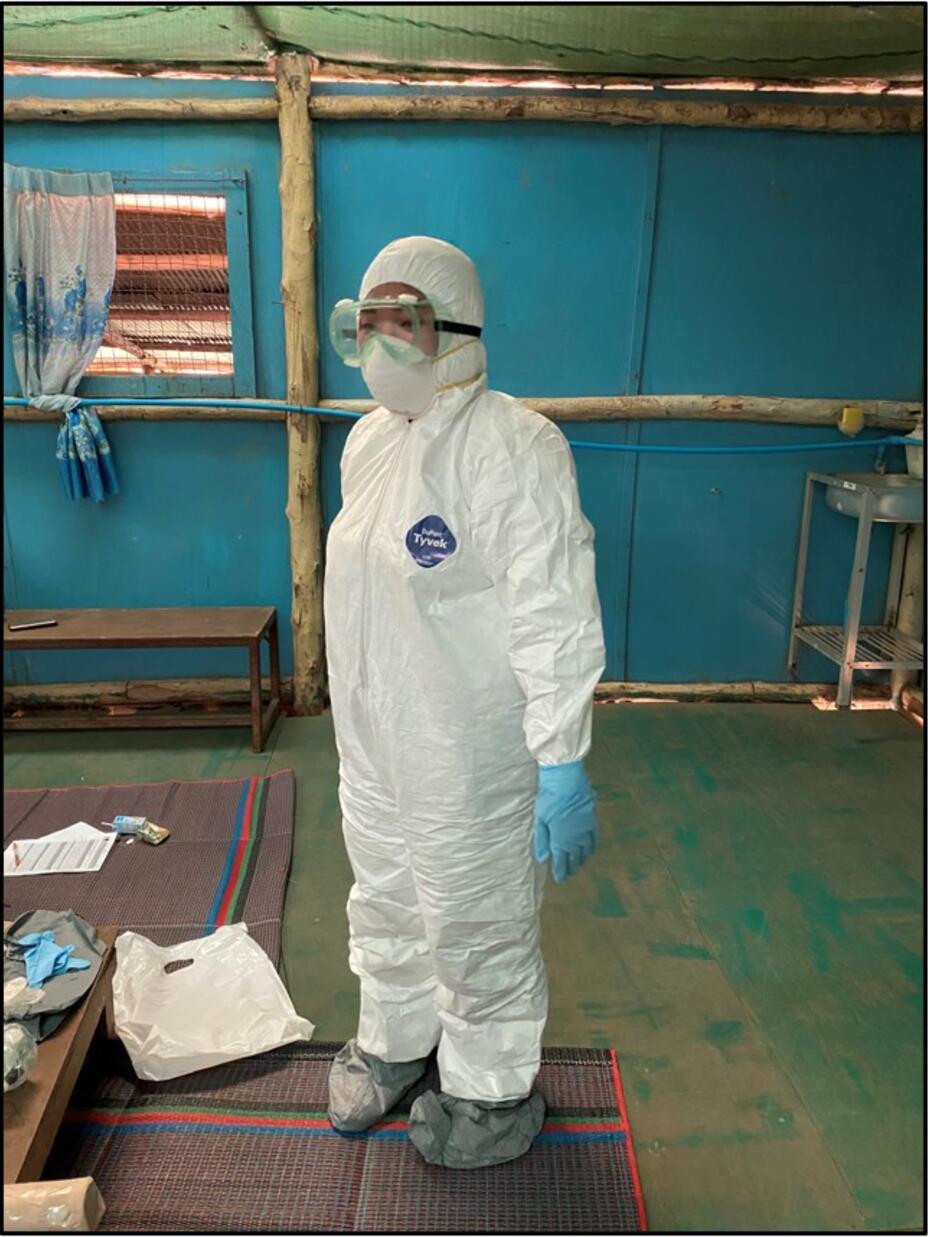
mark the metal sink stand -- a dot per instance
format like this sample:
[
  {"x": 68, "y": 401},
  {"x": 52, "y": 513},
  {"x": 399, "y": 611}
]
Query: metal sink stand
[{"x": 854, "y": 647}]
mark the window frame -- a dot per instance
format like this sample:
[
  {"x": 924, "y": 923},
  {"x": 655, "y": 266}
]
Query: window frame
[{"x": 232, "y": 186}]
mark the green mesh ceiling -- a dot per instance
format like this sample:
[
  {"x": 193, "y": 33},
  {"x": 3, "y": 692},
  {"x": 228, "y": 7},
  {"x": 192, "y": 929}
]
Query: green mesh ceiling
[{"x": 798, "y": 41}]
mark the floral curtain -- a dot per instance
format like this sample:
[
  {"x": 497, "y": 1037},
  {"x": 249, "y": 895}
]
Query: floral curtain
[{"x": 60, "y": 249}]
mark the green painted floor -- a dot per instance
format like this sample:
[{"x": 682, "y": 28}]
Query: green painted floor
[{"x": 748, "y": 936}]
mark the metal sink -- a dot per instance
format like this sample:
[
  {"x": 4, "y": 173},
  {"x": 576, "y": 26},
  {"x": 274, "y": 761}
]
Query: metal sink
[{"x": 898, "y": 498}]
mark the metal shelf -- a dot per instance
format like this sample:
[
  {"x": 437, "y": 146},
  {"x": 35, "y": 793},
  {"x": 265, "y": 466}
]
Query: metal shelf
[
  {"x": 870, "y": 498},
  {"x": 878, "y": 648}
]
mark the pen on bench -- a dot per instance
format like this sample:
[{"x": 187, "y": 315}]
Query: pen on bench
[{"x": 29, "y": 626}]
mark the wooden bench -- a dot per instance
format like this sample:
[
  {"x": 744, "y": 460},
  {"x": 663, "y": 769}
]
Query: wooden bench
[{"x": 200, "y": 627}]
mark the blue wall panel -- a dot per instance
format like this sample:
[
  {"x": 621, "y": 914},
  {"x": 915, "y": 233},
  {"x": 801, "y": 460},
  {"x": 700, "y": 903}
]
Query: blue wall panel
[
  {"x": 788, "y": 264},
  {"x": 551, "y": 216}
]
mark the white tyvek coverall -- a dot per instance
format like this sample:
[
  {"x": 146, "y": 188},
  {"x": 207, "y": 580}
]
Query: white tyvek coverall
[{"x": 448, "y": 683}]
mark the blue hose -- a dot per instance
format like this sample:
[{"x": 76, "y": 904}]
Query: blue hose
[
  {"x": 876, "y": 444},
  {"x": 890, "y": 440}
]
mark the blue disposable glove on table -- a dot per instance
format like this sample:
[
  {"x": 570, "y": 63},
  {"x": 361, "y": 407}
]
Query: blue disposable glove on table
[
  {"x": 565, "y": 818},
  {"x": 44, "y": 958}
]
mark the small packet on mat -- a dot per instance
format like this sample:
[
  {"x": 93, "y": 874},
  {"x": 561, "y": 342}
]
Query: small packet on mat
[
  {"x": 150, "y": 832},
  {"x": 139, "y": 826},
  {"x": 126, "y": 824}
]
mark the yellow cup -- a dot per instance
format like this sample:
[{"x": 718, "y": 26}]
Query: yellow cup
[{"x": 851, "y": 420}]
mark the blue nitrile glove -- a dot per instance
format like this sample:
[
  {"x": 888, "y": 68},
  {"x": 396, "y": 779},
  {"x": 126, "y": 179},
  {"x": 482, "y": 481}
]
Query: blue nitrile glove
[
  {"x": 44, "y": 958},
  {"x": 565, "y": 818}
]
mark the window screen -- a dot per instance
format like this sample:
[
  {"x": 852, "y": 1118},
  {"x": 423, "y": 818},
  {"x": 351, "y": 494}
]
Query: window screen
[{"x": 171, "y": 311}]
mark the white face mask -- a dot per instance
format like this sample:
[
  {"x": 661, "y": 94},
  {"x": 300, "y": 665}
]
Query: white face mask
[{"x": 406, "y": 387}]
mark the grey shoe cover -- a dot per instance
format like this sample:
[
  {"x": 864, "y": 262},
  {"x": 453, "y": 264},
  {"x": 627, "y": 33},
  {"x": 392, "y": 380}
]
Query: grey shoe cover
[
  {"x": 458, "y": 1133},
  {"x": 362, "y": 1088}
]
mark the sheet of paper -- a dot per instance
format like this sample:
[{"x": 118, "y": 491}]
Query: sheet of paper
[
  {"x": 79, "y": 830},
  {"x": 78, "y": 848}
]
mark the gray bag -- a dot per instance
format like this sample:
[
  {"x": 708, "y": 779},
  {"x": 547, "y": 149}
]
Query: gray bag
[{"x": 61, "y": 991}]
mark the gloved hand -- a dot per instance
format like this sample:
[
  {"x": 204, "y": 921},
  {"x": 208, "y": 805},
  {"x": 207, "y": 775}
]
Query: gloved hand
[{"x": 565, "y": 818}]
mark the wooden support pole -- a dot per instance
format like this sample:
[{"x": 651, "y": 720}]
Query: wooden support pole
[
  {"x": 611, "y": 110},
  {"x": 153, "y": 412},
  {"x": 619, "y": 110},
  {"x": 140, "y": 694},
  {"x": 80, "y": 110},
  {"x": 298, "y": 290},
  {"x": 773, "y": 410},
  {"x": 899, "y": 416},
  {"x": 502, "y": 79},
  {"x": 747, "y": 692},
  {"x": 159, "y": 693},
  {"x": 860, "y": 87},
  {"x": 344, "y": 71}
]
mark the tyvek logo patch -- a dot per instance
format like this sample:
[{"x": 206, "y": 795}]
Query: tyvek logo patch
[{"x": 430, "y": 541}]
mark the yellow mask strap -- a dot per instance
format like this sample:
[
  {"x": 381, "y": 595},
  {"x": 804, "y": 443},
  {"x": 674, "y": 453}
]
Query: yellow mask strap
[
  {"x": 440, "y": 356},
  {"x": 464, "y": 382}
]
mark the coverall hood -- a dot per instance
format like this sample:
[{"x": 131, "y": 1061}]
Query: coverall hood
[{"x": 445, "y": 275}]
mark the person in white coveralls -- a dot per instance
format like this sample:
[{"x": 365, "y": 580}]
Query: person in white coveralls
[{"x": 464, "y": 642}]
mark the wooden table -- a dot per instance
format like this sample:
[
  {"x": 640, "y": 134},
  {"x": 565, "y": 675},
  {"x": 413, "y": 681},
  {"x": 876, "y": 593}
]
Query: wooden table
[
  {"x": 195, "y": 627},
  {"x": 32, "y": 1114}
]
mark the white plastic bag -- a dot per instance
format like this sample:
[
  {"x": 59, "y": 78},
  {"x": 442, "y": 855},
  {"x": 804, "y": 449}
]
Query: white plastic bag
[
  {"x": 19, "y": 1054},
  {"x": 19, "y": 998},
  {"x": 228, "y": 1002}
]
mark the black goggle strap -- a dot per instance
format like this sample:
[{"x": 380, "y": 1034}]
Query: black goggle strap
[
  {"x": 452, "y": 328},
  {"x": 457, "y": 328}
]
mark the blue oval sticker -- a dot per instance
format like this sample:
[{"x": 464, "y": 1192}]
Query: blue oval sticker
[{"x": 430, "y": 541}]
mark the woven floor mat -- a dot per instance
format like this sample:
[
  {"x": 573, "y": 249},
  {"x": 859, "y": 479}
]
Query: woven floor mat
[
  {"x": 246, "y": 1147},
  {"x": 226, "y": 861}
]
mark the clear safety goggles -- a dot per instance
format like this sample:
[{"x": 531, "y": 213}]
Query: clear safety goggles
[{"x": 404, "y": 325}]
